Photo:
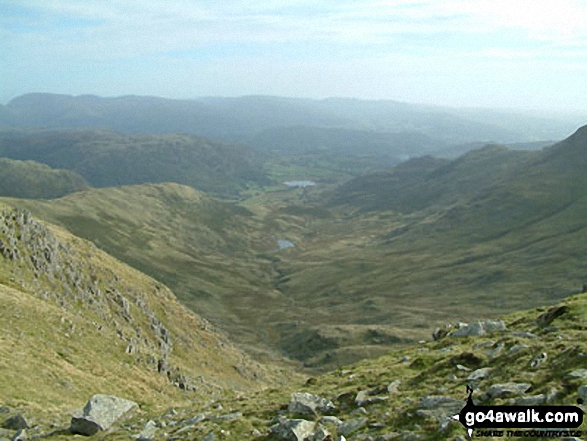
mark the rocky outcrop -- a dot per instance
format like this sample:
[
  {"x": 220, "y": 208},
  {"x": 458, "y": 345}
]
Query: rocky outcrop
[{"x": 100, "y": 413}]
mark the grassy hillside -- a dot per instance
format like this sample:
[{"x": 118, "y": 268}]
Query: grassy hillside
[
  {"x": 75, "y": 321},
  {"x": 209, "y": 252},
  {"x": 108, "y": 159},
  {"x": 32, "y": 180}
]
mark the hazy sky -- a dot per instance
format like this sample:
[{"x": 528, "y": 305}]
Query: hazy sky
[{"x": 506, "y": 53}]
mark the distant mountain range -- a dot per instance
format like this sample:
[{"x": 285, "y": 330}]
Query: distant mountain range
[{"x": 243, "y": 119}]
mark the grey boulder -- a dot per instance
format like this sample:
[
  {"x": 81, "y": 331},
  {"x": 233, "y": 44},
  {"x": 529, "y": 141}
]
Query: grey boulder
[
  {"x": 100, "y": 413},
  {"x": 303, "y": 403},
  {"x": 507, "y": 389},
  {"x": 293, "y": 430},
  {"x": 16, "y": 422}
]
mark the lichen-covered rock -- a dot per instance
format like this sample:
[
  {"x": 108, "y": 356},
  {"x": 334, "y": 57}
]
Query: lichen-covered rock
[
  {"x": 303, "y": 403},
  {"x": 507, "y": 389},
  {"x": 533, "y": 400},
  {"x": 351, "y": 426},
  {"x": 578, "y": 374},
  {"x": 149, "y": 431},
  {"x": 479, "y": 374},
  {"x": 479, "y": 328},
  {"x": 15, "y": 422},
  {"x": 100, "y": 412},
  {"x": 293, "y": 430}
]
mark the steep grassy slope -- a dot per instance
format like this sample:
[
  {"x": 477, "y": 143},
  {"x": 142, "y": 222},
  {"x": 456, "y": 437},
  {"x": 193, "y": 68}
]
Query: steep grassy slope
[
  {"x": 208, "y": 251},
  {"x": 75, "y": 321},
  {"x": 32, "y": 180},
  {"x": 108, "y": 159}
]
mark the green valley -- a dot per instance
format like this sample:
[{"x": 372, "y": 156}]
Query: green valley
[{"x": 378, "y": 261}]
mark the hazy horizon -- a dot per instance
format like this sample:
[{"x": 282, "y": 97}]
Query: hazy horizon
[{"x": 527, "y": 55}]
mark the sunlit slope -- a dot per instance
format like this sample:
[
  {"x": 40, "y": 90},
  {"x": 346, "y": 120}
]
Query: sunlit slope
[
  {"x": 75, "y": 321},
  {"x": 209, "y": 252}
]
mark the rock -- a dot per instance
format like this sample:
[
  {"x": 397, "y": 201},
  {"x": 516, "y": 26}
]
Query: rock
[
  {"x": 331, "y": 420},
  {"x": 4, "y": 409},
  {"x": 583, "y": 393},
  {"x": 321, "y": 435},
  {"x": 366, "y": 397},
  {"x": 538, "y": 360},
  {"x": 495, "y": 351},
  {"x": 230, "y": 416},
  {"x": 507, "y": 389},
  {"x": 578, "y": 374},
  {"x": 210, "y": 437},
  {"x": 518, "y": 348},
  {"x": 393, "y": 387},
  {"x": 359, "y": 411},
  {"x": 439, "y": 333},
  {"x": 469, "y": 330},
  {"x": 303, "y": 403},
  {"x": 460, "y": 367},
  {"x": 16, "y": 422},
  {"x": 352, "y": 425},
  {"x": 479, "y": 328},
  {"x": 533, "y": 400},
  {"x": 553, "y": 313},
  {"x": 193, "y": 420},
  {"x": 440, "y": 401},
  {"x": 149, "y": 431},
  {"x": 493, "y": 325},
  {"x": 479, "y": 374},
  {"x": 100, "y": 412},
  {"x": 293, "y": 430},
  {"x": 20, "y": 436},
  {"x": 524, "y": 335}
]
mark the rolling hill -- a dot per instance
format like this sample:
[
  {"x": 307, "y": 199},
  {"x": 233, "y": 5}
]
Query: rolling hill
[
  {"x": 33, "y": 180},
  {"x": 107, "y": 159}
]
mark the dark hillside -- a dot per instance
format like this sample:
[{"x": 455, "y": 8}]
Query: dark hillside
[
  {"x": 32, "y": 180},
  {"x": 107, "y": 159}
]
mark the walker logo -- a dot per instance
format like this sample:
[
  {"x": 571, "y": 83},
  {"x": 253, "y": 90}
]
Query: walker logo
[{"x": 492, "y": 420}]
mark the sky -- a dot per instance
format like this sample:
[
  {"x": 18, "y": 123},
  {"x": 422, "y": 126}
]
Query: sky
[{"x": 528, "y": 54}]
